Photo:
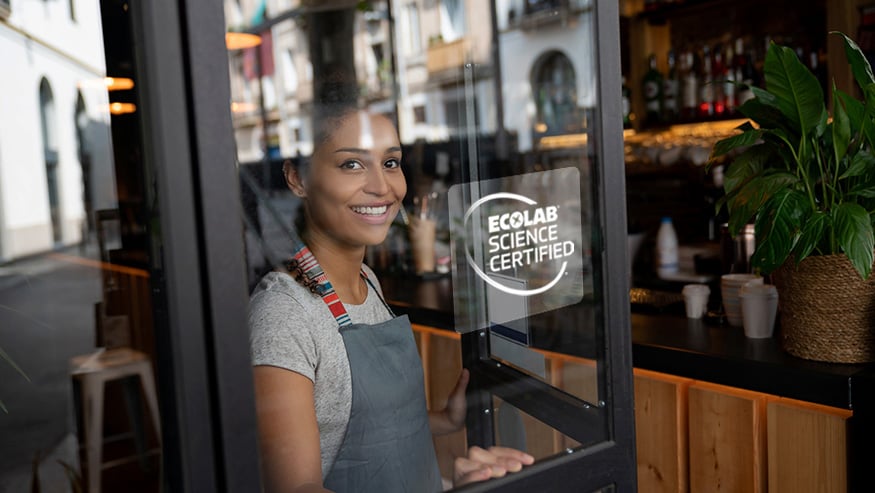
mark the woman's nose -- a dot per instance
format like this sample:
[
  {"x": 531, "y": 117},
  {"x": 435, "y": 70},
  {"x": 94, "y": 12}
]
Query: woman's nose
[{"x": 377, "y": 182}]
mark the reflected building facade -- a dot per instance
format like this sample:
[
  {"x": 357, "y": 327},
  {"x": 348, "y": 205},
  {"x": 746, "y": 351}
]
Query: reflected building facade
[
  {"x": 55, "y": 151},
  {"x": 440, "y": 82}
]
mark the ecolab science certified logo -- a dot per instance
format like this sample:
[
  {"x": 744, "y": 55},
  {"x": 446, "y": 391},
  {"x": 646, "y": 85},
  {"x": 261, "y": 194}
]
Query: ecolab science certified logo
[
  {"x": 525, "y": 227},
  {"x": 520, "y": 239}
]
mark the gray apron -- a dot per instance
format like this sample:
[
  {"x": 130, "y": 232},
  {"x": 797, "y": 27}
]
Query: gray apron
[{"x": 388, "y": 446}]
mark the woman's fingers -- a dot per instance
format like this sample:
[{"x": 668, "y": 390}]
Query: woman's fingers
[
  {"x": 468, "y": 471},
  {"x": 495, "y": 462}
]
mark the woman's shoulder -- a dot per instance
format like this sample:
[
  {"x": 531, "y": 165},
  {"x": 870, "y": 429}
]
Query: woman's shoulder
[
  {"x": 278, "y": 287},
  {"x": 279, "y": 282},
  {"x": 279, "y": 305},
  {"x": 369, "y": 273}
]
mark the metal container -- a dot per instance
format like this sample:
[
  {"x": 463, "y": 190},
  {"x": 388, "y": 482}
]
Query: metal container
[{"x": 735, "y": 252}]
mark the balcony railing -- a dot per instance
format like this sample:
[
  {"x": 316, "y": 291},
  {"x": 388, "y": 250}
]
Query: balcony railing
[
  {"x": 446, "y": 56},
  {"x": 544, "y": 12}
]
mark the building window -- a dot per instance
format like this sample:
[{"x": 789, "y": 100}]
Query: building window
[
  {"x": 456, "y": 116},
  {"x": 533, "y": 6},
  {"x": 554, "y": 89},
  {"x": 452, "y": 19},
  {"x": 50, "y": 154},
  {"x": 419, "y": 114},
  {"x": 413, "y": 33},
  {"x": 290, "y": 74}
]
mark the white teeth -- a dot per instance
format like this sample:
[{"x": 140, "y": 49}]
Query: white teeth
[{"x": 371, "y": 211}]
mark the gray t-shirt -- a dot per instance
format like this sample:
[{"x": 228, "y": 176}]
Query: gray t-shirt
[{"x": 291, "y": 328}]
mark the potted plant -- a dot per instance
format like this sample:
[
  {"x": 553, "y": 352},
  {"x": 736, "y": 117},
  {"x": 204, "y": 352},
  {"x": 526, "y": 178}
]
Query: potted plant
[{"x": 807, "y": 180}]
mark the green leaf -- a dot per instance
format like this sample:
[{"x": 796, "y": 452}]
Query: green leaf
[
  {"x": 867, "y": 128},
  {"x": 857, "y": 59},
  {"x": 841, "y": 129},
  {"x": 777, "y": 227},
  {"x": 812, "y": 234},
  {"x": 861, "y": 163},
  {"x": 853, "y": 228},
  {"x": 863, "y": 190},
  {"x": 797, "y": 92},
  {"x": 753, "y": 195},
  {"x": 741, "y": 140},
  {"x": 746, "y": 165},
  {"x": 853, "y": 107},
  {"x": 761, "y": 111}
]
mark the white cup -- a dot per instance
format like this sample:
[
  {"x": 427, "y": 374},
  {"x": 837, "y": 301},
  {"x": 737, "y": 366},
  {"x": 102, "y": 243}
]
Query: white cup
[
  {"x": 696, "y": 299},
  {"x": 730, "y": 285},
  {"x": 759, "y": 308}
]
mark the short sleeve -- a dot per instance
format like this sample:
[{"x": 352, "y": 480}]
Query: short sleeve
[{"x": 280, "y": 335}]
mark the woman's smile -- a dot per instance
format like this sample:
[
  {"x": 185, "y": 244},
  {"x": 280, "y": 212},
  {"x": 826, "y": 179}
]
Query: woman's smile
[{"x": 373, "y": 214}]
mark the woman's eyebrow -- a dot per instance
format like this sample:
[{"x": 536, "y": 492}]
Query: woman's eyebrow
[
  {"x": 356, "y": 150},
  {"x": 353, "y": 150}
]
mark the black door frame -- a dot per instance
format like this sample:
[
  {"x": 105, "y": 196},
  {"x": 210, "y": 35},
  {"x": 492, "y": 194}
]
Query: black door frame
[{"x": 205, "y": 375}]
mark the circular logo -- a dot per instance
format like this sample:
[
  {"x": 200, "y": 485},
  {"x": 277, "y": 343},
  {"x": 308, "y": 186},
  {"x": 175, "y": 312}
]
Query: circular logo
[{"x": 515, "y": 220}]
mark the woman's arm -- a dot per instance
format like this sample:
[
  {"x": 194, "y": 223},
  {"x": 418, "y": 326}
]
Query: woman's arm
[
  {"x": 287, "y": 430},
  {"x": 452, "y": 417}
]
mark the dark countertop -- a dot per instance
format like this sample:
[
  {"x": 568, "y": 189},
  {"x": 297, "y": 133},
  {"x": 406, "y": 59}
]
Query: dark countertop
[{"x": 670, "y": 343}]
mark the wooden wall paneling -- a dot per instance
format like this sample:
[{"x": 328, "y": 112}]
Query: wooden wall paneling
[
  {"x": 726, "y": 439},
  {"x": 807, "y": 447},
  {"x": 661, "y": 432},
  {"x": 442, "y": 363}
]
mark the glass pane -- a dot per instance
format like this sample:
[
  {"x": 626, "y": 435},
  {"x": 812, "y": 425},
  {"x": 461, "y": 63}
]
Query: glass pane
[
  {"x": 502, "y": 142},
  {"x": 78, "y": 359}
]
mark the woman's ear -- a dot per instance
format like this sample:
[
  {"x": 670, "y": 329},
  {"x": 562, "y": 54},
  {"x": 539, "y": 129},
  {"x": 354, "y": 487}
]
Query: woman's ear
[{"x": 294, "y": 180}]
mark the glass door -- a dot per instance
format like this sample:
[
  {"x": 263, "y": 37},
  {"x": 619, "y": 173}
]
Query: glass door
[
  {"x": 537, "y": 242},
  {"x": 509, "y": 121}
]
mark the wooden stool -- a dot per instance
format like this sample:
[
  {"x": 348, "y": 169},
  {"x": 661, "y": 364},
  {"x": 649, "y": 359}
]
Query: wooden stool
[{"x": 93, "y": 371}]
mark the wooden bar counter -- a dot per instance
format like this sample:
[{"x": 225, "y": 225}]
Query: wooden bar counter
[{"x": 739, "y": 412}]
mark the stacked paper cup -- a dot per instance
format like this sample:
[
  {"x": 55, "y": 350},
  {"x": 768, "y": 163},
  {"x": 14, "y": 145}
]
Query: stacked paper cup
[
  {"x": 759, "y": 308},
  {"x": 730, "y": 285}
]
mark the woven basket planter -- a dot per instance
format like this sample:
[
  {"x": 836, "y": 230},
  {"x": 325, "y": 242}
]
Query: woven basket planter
[{"x": 827, "y": 312}]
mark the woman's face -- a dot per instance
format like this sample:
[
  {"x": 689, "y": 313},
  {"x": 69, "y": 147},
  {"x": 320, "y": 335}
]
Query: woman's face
[{"x": 355, "y": 185}]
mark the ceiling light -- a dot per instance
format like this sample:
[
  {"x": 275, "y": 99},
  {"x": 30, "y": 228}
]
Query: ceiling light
[{"x": 239, "y": 41}]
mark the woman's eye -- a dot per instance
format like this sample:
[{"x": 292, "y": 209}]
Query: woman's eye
[
  {"x": 392, "y": 164},
  {"x": 351, "y": 164}
]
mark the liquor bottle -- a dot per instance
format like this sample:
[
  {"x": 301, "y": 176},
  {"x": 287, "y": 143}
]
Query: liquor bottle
[
  {"x": 717, "y": 78},
  {"x": 670, "y": 91},
  {"x": 651, "y": 85},
  {"x": 627, "y": 105},
  {"x": 706, "y": 86},
  {"x": 744, "y": 72},
  {"x": 689, "y": 87},
  {"x": 729, "y": 88}
]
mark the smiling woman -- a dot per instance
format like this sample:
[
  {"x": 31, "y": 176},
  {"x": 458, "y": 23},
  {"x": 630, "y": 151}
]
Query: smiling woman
[{"x": 339, "y": 382}]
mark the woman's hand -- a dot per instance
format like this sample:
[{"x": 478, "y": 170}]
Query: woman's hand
[
  {"x": 481, "y": 464},
  {"x": 452, "y": 417}
]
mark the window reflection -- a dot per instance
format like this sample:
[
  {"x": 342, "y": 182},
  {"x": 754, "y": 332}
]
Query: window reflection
[
  {"x": 463, "y": 113},
  {"x": 75, "y": 289}
]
